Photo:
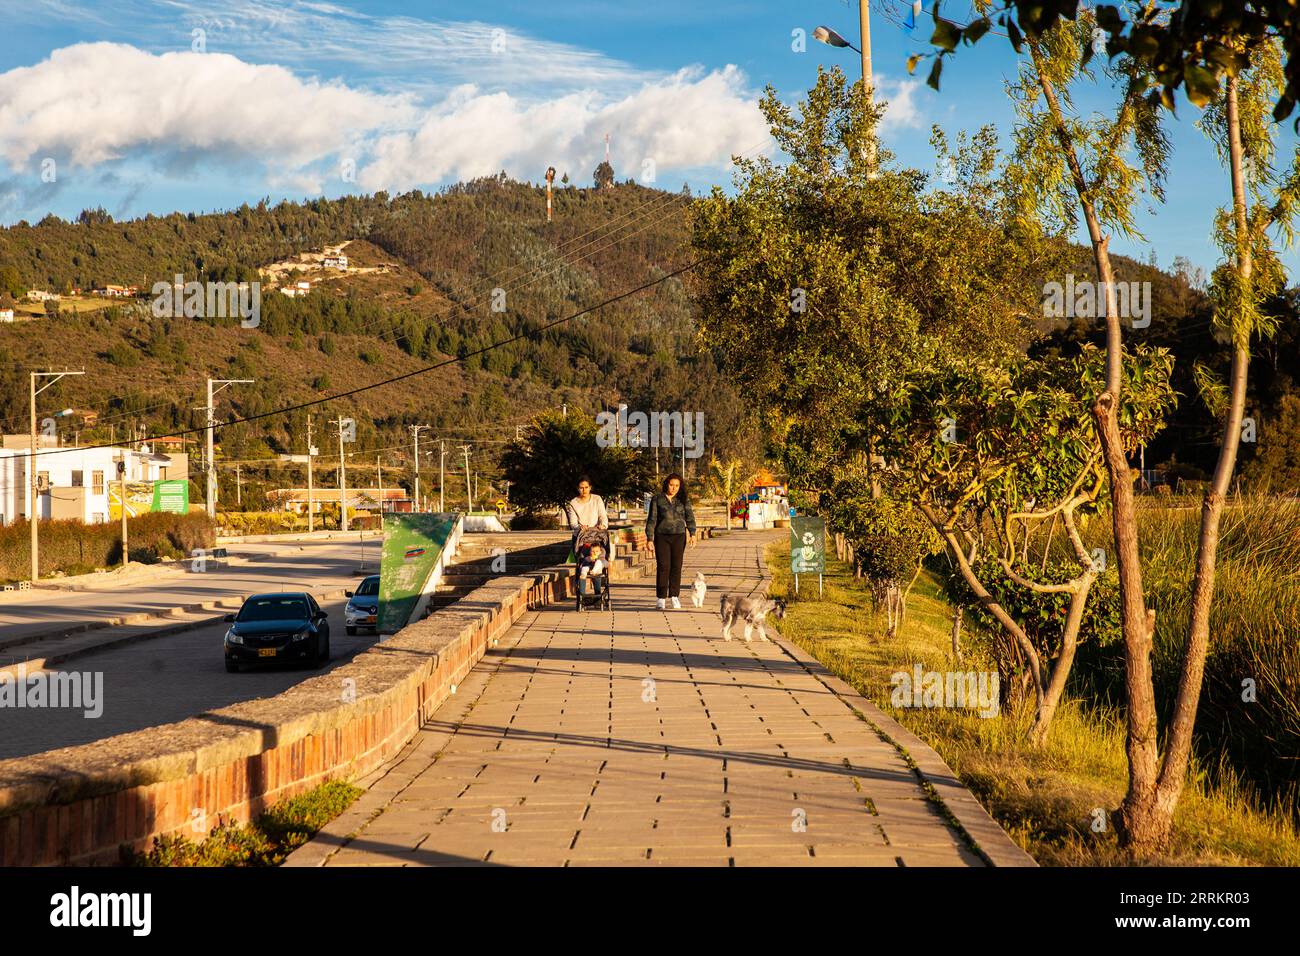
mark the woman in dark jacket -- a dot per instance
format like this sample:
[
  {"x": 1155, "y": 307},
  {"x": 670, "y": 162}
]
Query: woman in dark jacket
[{"x": 669, "y": 526}]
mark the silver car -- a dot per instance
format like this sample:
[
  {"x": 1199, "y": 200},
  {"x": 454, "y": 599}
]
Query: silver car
[{"x": 363, "y": 606}]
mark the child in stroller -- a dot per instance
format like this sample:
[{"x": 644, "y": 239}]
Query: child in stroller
[{"x": 592, "y": 548}]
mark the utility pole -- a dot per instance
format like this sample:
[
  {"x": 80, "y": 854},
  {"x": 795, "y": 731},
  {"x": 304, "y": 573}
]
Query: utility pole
[
  {"x": 864, "y": 18},
  {"x": 442, "y": 470},
  {"x": 33, "y": 510},
  {"x": 415, "y": 466},
  {"x": 121, "y": 491},
  {"x": 210, "y": 465},
  {"x": 379, "y": 467},
  {"x": 311, "y": 496},
  {"x": 343, "y": 478},
  {"x": 239, "y": 489},
  {"x": 469, "y": 496}
]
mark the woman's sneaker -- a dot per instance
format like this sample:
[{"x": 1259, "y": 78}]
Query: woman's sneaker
[
  {"x": 677, "y": 604},
  {"x": 659, "y": 603}
]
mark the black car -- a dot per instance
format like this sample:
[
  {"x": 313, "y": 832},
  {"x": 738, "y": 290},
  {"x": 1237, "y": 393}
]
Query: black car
[{"x": 278, "y": 627}]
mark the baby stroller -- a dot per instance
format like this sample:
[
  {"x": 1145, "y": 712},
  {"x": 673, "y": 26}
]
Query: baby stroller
[{"x": 597, "y": 581}]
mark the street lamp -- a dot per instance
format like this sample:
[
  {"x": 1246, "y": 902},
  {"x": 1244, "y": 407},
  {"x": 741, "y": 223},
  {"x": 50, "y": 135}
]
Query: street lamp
[
  {"x": 210, "y": 424},
  {"x": 33, "y": 517},
  {"x": 831, "y": 38}
]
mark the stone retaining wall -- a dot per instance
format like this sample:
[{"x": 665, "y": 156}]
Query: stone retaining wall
[{"x": 79, "y": 805}]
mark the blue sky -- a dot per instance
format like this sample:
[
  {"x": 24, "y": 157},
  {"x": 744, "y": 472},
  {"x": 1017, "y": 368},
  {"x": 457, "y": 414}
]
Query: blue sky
[{"x": 139, "y": 113}]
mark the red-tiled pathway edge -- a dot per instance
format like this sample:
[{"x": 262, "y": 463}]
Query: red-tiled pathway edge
[{"x": 640, "y": 737}]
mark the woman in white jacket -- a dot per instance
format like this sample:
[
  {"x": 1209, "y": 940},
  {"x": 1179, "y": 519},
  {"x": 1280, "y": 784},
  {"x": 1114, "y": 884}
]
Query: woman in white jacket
[{"x": 586, "y": 510}]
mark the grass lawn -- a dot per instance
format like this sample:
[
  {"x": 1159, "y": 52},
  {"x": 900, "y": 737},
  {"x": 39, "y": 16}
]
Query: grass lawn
[{"x": 1049, "y": 800}]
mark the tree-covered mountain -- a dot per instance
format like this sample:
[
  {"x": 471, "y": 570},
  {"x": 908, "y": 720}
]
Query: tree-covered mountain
[{"x": 433, "y": 277}]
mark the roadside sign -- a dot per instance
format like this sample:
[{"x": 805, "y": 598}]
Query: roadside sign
[
  {"x": 416, "y": 547},
  {"x": 807, "y": 548},
  {"x": 145, "y": 496},
  {"x": 807, "y": 545},
  {"x": 172, "y": 495}
]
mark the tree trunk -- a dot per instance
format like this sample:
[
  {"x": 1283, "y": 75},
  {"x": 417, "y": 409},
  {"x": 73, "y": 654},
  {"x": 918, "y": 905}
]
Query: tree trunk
[
  {"x": 1173, "y": 772},
  {"x": 1051, "y": 697},
  {"x": 986, "y": 599},
  {"x": 1137, "y": 622},
  {"x": 956, "y": 633}
]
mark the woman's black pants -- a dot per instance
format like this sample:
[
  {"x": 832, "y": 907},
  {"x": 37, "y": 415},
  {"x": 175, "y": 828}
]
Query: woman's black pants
[{"x": 669, "y": 549}]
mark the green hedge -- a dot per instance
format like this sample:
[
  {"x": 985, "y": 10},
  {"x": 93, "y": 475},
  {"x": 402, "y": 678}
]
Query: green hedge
[{"x": 71, "y": 547}]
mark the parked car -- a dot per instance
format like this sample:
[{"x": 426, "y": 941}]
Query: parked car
[
  {"x": 287, "y": 626},
  {"x": 363, "y": 606}
]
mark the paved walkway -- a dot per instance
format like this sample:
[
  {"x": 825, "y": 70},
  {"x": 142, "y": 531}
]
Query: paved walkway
[{"x": 639, "y": 736}]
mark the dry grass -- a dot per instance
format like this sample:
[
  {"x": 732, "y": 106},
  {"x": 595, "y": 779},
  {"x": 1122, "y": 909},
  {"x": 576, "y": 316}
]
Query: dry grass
[{"x": 1048, "y": 799}]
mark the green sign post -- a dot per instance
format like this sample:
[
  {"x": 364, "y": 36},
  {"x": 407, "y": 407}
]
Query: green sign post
[
  {"x": 807, "y": 549},
  {"x": 416, "y": 549}
]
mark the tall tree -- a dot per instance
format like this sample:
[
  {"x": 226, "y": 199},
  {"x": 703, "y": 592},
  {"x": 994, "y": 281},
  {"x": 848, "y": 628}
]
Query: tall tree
[{"x": 1235, "y": 59}]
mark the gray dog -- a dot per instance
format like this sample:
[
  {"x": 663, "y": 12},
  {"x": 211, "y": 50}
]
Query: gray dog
[{"x": 753, "y": 611}]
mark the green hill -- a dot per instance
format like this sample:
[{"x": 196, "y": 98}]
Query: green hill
[{"x": 432, "y": 276}]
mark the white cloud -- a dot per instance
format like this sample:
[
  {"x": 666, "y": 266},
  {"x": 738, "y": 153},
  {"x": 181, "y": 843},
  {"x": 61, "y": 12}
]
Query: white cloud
[
  {"x": 903, "y": 111},
  {"x": 393, "y": 51},
  {"x": 92, "y": 103},
  {"x": 96, "y": 103},
  {"x": 689, "y": 119}
]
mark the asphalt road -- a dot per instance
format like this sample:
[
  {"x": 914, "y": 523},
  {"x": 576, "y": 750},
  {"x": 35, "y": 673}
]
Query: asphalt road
[
  {"x": 161, "y": 681},
  {"x": 300, "y": 565}
]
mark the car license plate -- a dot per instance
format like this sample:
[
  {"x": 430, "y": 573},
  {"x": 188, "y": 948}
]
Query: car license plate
[{"x": 266, "y": 652}]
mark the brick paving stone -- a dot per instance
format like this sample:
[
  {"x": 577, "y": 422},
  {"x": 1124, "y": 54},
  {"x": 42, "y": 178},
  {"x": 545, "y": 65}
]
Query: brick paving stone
[{"x": 640, "y": 737}]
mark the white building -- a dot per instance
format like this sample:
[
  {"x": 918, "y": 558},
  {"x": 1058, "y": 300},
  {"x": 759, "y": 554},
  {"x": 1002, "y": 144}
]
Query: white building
[
  {"x": 75, "y": 482},
  {"x": 6, "y": 315},
  {"x": 339, "y": 261}
]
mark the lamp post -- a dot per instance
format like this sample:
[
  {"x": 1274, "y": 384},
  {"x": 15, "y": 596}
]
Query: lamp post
[
  {"x": 33, "y": 509},
  {"x": 831, "y": 38},
  {"x": 210, "y": 423}
]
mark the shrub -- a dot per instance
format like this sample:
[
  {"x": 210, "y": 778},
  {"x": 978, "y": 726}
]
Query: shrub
[
  {"x": 266, "y": 842},
  {"x": 72, "y": 547}
]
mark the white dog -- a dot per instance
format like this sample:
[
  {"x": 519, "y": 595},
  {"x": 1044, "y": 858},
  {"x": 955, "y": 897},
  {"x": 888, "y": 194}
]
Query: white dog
[{"x": 701, "y": 588}]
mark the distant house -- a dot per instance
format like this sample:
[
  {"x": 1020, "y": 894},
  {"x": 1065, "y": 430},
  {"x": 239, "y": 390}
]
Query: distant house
[
  {"x": 362, "y": 499},
  {"x": 6, "y": 315},
  {"x": 301, "y": 288},
  {"x": 118, "y": 291},
  {"x": 339, "y": 261},
  {"x": 40, "y": 295}
]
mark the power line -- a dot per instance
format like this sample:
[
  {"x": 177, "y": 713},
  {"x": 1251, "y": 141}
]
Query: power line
[
  {"x": 406, "y": 375},
  {"x": 530, "y": 276}
]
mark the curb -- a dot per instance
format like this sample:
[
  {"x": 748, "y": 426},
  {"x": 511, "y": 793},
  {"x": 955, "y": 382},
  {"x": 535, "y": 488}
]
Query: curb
[
  {"x": 965, "y": 813},
  {"x": 96, "y": 581}
]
